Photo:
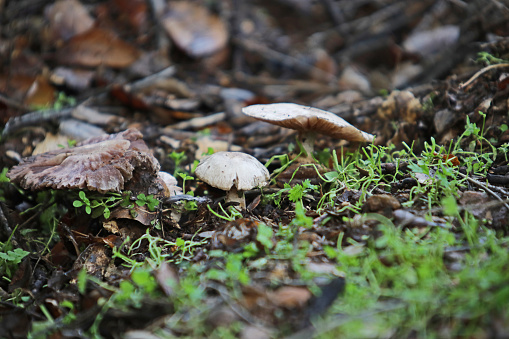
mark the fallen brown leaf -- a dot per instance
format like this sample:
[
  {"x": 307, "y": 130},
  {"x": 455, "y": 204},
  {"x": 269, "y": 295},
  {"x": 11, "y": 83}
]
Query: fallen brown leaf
[
  {"x": 97, "y": 47},
  {"x": 194, "y": 29},
  {"x": 68, "y": 18}
]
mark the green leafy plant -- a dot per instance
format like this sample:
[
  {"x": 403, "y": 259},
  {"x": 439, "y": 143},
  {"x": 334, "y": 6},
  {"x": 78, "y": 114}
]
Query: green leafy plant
[
  {"x": 97, "y": 204},
  {"x": 489, "y": 59},
  {"x": 295, "y": 194},
  {"x": 159, "y": 249},
  {"x": 232, "y": 272},
  {"x": 3, "y": 179},
  {"x": 441, "y": 176},
  {"x": 3, "y": 175},
  {"x": 70, "y": 143},
  {"x": 10, "y": 260},
  {"x": 185, "y": 177},
  {"x": 62, "y": 100},
  {"x": 301, "y": 220},
  {"x": 264, "y": 236},
  {"x": 147, "y": 200},
  {"x": 178, "y": 158},
  {"x": 231, "y": 215}
]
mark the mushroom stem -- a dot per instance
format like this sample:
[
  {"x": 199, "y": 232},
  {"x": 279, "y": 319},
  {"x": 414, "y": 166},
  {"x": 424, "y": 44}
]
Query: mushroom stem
[
  {"x": 234, "y": 195},
  {"x": 307, "y": 140}
]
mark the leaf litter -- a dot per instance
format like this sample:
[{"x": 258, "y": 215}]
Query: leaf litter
[{"x": 403, "y": 237}]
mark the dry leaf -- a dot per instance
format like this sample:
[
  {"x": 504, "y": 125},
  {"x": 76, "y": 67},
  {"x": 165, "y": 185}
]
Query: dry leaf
[
  {"x": 40, "y": 93},
  {"x": 32, "y": 91},
  {"x": 97, "y": 47},
  {"x": 432, "y": 41},
  {"x": 401, "y": 105},
  {"x": 77, "y": 79},
  {"x": 379, "y": 202},
  {"x": 68, "y": 18},
  {"x": 135, "y": 12},
  {"x": 50, "y": 143},
  {"x": 194, "y": 29},
  {"x": 290, "y": 296}
]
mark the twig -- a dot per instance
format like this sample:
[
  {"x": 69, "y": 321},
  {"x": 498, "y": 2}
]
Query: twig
[
  {"x": 198, "y": 122},
  {"x": 168, "y": 72},
  {"x": 184, "y": 197},
  {"x": 335, "y": 12},
  {"x": 4, "y": 222},
  {"x": 479, "y": 73},
  {"x": 35, "y": 118},
  {"x": 13, "y": 103},
  {"x": 484, "y": 187},
  {"x": 158, "y": 7}
]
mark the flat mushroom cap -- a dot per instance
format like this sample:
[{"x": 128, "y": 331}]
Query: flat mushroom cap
[
  {"x": 307, "y": 119},
  {"x": 101, "y": 164},
  {"x": 225, "y": 170}
]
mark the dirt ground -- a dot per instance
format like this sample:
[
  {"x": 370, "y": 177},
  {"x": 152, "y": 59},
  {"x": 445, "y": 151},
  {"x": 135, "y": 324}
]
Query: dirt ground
[{"x": 168, "y": 82}]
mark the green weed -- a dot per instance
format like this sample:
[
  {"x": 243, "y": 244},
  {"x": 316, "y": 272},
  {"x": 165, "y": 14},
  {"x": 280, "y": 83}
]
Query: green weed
[
  {"x": 147, "y": 200},
  {"x": 101, "y": 204},
  {"x": 10, "y": 260},
  {"x": 178, "y": 158},
  {"x": 231, "y": 215}
]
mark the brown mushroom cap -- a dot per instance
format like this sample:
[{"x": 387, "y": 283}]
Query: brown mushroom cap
[
  {"x": 306, "y": 119},
  {"x": 227, "y": 170},
  {"x": 101, "y": 164}
]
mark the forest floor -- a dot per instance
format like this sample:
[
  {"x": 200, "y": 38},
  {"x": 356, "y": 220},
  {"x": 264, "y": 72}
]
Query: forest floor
[{"x": 402, "y": 237}]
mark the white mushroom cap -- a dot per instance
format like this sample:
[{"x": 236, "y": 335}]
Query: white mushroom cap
[
  {"x": 227, "y": 170},
  {"x": 307, "y": 119},
  {"x": 170, "y": 182}
]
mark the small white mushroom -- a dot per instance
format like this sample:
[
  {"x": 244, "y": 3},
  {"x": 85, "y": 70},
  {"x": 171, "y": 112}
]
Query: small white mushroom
[
  {"x": 233, "y": 172},
  {"x": 308, "y": 121},
  {"x": 171, "y": 185}
]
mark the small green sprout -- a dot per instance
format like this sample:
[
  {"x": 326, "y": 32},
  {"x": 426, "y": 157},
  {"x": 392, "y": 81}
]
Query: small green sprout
[
  {"x": 10, "y": 260},
  {"x": 62, "y": 100},
  {"x": 97, "y": 205},
  {"x": 178, "y": 158},
  {"x": 185, "y": 177},
  {"x": 297, "y": 192},
  {"x": 489, "y": 59},
  {"x": 147, "y": 200},
  {"x": 234, "y": 213}
]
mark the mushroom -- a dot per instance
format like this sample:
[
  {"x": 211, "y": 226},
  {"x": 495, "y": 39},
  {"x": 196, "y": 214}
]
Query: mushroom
[
  {"x": 233, "y": 172},
  {"x": 104, "y": 164},
  {"x": 170, "y": 184},
  {"x": 308, "y": 121}
]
